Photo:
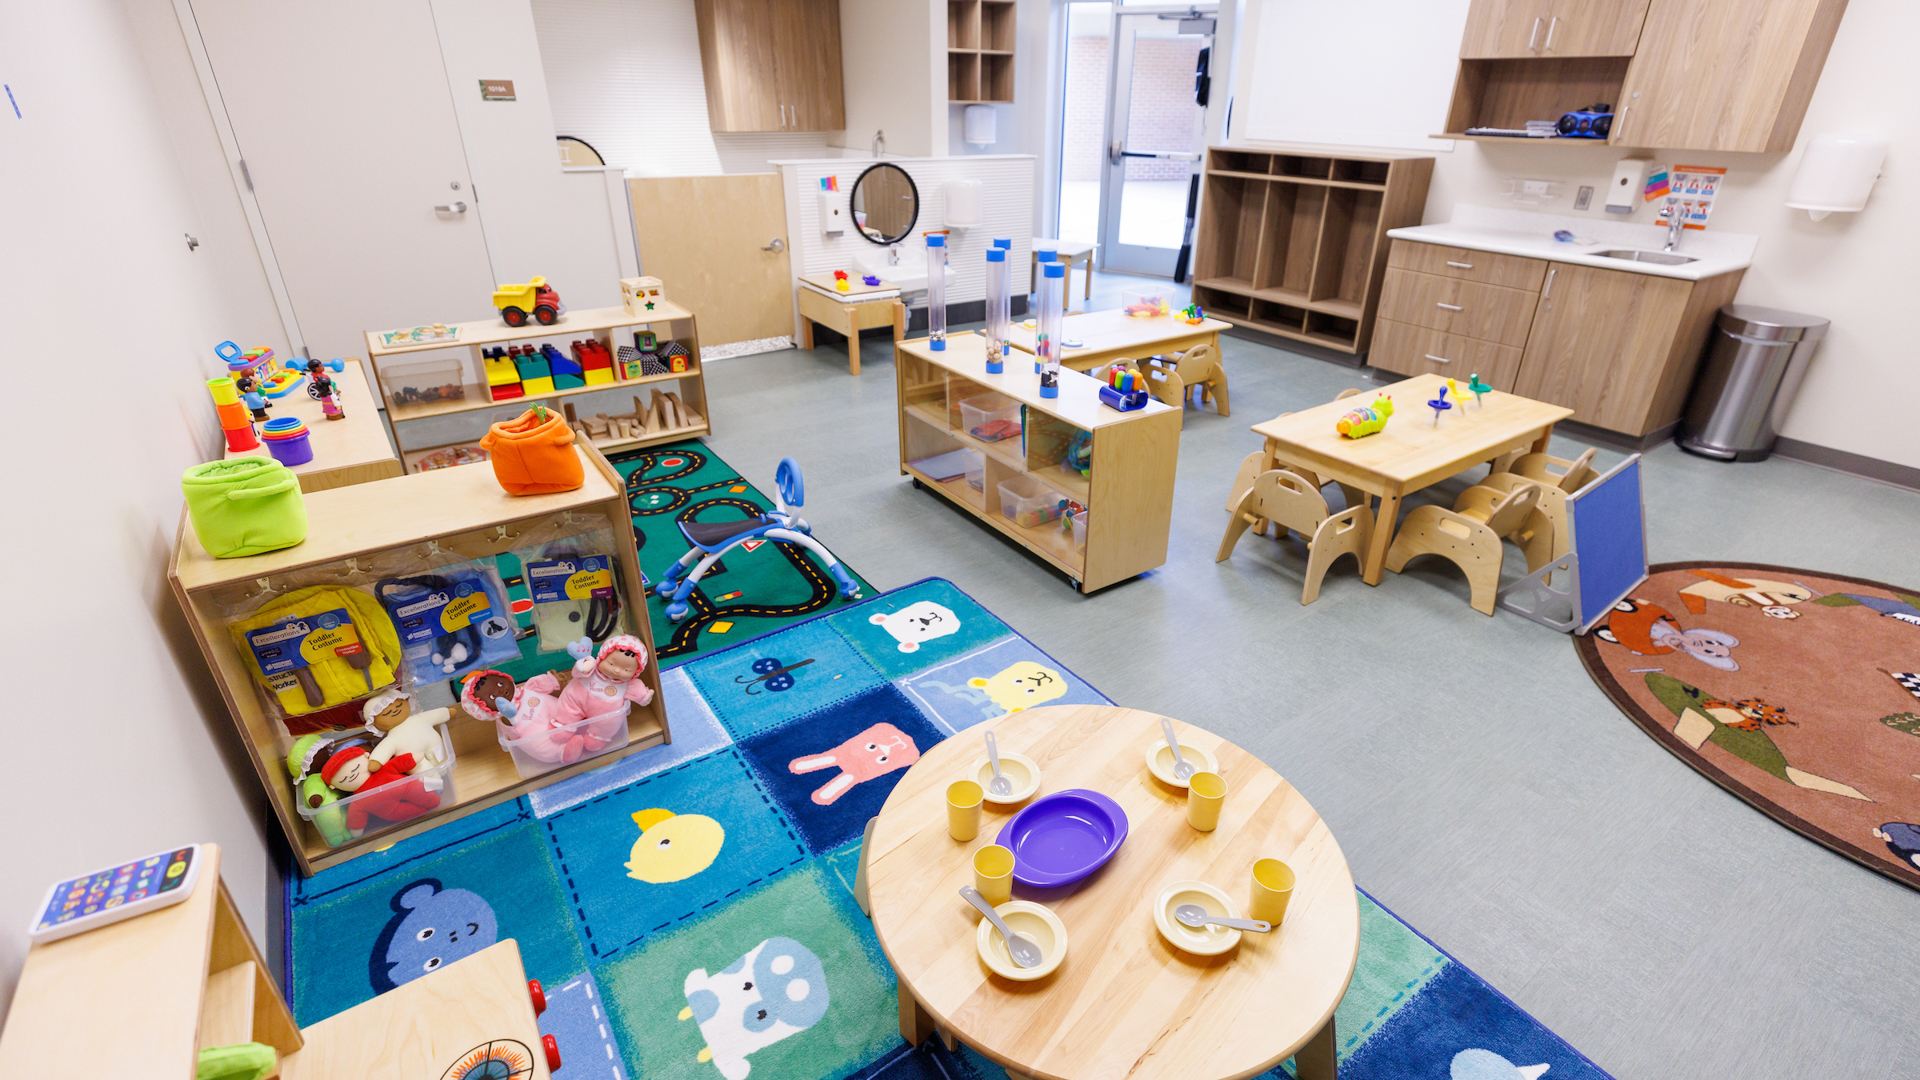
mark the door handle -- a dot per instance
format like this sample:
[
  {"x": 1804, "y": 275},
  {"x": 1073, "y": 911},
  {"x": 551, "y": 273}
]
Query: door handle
[
  {"x": 1116, "y": 151},
  {"x": 1551, "y": 27},
  {"x": 452, "y": 208},
  {"x": 1450, "y": 307},
  {"x": 1547, "y": 293},
  {"x": 776, "y": 247},
  {"x": 793, "y": 114},
  {"x": 1438, "y": 359}
]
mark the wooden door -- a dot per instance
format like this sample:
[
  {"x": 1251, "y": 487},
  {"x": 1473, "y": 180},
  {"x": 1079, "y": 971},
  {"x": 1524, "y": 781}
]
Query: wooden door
[
  {"x": 737, "y": 49},
  {"x": 807, "y": 62},
  {"x": 704, "y": 238},
  {"x": 1600, "y": 343},
  {"x": 1725, "y": 74},
  {"x": 1505, "y": 28},
  {"x": 1594, "y": 28},
  {"x": 348, "y": 169}
]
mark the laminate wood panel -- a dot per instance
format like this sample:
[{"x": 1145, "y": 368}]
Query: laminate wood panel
[
  {"x": 1600, "y": 344},
  {"x": 1487, "y": 312},
  {"x": 1497, "y": 28},
  {"x": 1415, "y": 350},
  {"x": 1485, "y": 267},
  {"x": 737, "y": 61},
  {"x": 1508, "y": 93},
  {"x": 1690, "y": 341},
  {"x": 807, "y": 66},
  {"x": 1593, "y": 27}
]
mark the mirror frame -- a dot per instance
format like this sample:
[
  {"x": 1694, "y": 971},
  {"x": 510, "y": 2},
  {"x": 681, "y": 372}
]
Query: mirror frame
[{"x": 911, "y": 186}]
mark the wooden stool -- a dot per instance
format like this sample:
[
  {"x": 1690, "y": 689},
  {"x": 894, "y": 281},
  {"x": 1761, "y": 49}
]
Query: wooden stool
[
  {"x": 849, "y": 319},
  {"x": 1469, "y": 537},
  {"x": 1292, "y": 503}
]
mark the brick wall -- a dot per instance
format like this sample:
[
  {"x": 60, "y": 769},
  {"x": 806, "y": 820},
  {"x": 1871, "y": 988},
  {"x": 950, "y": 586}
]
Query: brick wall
[
  {"x": 1161, "y": 112},
  {"x": 1084, "y": 117}
]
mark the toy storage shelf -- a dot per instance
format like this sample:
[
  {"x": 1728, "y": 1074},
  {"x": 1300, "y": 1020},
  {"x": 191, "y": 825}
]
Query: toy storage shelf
[
  {"x": 1128, "y": 492},
  {"x": 1292, "y": 239},
  {"x": 600, "y": 323},
  {"x": 464, "y": 511}
]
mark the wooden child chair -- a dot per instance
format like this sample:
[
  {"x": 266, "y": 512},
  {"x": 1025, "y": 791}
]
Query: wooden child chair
[
  {"x": 1470, "y": 536},
  {"x": 1545, "y": 535},
  {"x": 1197, "y": 367},
  {"x": 1568, "y": 476},
  {"x": 1289, "y": 501},
  {"x": 1250, "y": 467}
]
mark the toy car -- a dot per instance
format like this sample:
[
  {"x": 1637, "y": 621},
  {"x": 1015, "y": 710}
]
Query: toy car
[{"x": 535, "y": 298}]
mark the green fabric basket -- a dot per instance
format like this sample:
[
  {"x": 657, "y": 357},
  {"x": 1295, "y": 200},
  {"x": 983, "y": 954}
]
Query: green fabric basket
[{"x": 244, "y": 506}]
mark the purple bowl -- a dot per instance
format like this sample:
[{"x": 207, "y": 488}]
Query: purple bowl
[{"x": 1063, "y": 837}]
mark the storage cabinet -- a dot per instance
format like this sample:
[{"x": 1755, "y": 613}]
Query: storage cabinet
[
  {"x": 772, "y": 65},
  {"x": 1529, "y": 28},
  {"x": 980, "y": 39}
]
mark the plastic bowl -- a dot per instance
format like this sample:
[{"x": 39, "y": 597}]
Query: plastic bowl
[
  {"x": 1198, "y": 940},
  {"x": 1063, "y": 837},
  {"x": 1022, "y": 770},
  {"x": 1160, "y": 761},
  {"x": 1033, "y": 920}
]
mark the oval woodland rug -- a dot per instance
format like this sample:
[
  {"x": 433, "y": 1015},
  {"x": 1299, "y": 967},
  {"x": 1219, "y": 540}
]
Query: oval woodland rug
[{"x": 1798, "y": 692}]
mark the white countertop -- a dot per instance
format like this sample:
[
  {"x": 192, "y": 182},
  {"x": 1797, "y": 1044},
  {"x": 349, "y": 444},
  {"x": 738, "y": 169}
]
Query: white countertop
[{"x": 1530, "y": 235}]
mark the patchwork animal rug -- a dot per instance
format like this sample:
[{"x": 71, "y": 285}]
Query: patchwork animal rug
[
  {"x": 757, "y": 587},
  {"x": 689, "y": 908},
  {"x": 1797, "y": 691}
]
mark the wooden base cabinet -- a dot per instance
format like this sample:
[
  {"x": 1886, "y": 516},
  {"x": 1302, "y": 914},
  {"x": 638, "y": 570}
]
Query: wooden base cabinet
[{"x": 1617, "y": 347}]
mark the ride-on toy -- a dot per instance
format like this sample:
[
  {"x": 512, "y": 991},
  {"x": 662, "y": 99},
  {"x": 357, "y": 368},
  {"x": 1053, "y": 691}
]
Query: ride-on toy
[{"x": 712, "y": 539}]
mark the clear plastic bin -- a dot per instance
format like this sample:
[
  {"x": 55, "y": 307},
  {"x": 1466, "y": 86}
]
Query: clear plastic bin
[
  {"x": 990, "y": 417},
  {"x": 1148, "y": 303},
  {"x": 1027, "y": 502},
  {"x": 1079, "y": 531},
  {"x": 420, "y": 381},
  {"x": 976, "y": 470},
  {"x": 333, "y": 821},
  {"x": 556, "y": 747}
]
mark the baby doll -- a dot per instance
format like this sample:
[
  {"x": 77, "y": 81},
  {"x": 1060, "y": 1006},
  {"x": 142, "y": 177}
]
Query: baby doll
[
  {"x": 525, "y": 717},
  {"x": 391, "y": 714},
  {"x": 598, "y": 694},
  {"x": 392, "y": 795}
]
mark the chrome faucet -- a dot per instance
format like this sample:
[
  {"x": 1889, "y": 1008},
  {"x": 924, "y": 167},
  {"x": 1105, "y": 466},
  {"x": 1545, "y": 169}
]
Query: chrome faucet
[
  {"x": 1675, "y": 222},
  {"x": 893, "y": 254}
]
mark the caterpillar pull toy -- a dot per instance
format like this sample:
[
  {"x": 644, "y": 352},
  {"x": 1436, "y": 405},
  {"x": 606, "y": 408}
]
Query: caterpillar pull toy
[{"x": 1368, "y": 421}]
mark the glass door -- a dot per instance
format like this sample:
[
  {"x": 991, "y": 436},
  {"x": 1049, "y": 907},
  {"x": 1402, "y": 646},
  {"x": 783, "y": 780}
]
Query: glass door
[{"x": 1156, "y": 127}]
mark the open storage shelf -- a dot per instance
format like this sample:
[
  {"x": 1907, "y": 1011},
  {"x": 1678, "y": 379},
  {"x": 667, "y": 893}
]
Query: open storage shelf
[
  {"x": 1507, "y": 93},
  {"x": 1294, "y": 243},
  {"x": 980, "y": 47}
]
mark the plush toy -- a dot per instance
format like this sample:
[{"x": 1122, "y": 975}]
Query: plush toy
[
  {"x": 309, "y": 755},
  {"x": 391, "y": 714},
  {"x": 478, "y": 690},
  {"x": 588, "y": 715},
  {"x": 389, "y": 794}
]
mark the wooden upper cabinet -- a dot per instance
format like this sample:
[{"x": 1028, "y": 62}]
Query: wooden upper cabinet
[
  {"x": 1504, "y": 28},
  {"x": 1517, "y": 29},
  {"x": 1725, "y": 74},
  {"x": 1600, "y": 343},
  {"x": 771, "y": 65}
]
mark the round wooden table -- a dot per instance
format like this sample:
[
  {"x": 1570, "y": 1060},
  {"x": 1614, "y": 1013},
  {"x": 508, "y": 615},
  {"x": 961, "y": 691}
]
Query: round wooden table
[{"x": 1125, "y": 1003}]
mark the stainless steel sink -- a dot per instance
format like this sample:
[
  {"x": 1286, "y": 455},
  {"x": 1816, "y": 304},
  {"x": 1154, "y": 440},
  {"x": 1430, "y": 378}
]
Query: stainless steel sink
[{"x": 1661, "y": 258}]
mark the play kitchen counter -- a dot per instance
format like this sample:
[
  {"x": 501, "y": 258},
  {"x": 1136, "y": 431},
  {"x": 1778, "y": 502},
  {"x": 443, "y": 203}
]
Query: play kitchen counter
[{"x": 1616, "y": 340}]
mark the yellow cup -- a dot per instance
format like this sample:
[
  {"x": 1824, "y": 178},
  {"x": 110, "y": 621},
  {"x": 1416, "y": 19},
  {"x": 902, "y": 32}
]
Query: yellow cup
[
  {"x": 993, "y": 874},
  {"x": 1272, "y": 888},
  {"x": 1206, "y": 793},
  {"x": 963, "y": 809}
]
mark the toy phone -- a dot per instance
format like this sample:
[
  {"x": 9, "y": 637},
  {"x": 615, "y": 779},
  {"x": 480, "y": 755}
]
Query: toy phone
[{"x": 119, "y": 892}]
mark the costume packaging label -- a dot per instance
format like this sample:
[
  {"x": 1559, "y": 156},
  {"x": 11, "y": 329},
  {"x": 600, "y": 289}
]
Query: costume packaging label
[
  {"x": 587, "y": 578},
  {"x": 304, "y": 641},
  {"x": 442, "y": 612}
]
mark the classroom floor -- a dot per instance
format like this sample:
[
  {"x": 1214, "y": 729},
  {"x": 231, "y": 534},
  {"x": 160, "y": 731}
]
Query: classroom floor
[{"x": 1478, "y": 781}]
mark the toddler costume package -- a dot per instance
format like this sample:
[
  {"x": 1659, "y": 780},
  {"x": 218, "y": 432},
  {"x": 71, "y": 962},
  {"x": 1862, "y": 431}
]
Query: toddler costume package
[
  {"x": 318, "y": 647},
  {"x": 533, "y": 453},
  {"x": 451, "y": 622},
  {"x": 245, "y": 506}
]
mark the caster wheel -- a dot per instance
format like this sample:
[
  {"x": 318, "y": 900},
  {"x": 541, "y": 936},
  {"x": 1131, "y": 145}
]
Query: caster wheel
[
  {"x": 1076, "y": 585},
  {"x": 917, "y": 485},
  {"x": 676, "y": 612}
]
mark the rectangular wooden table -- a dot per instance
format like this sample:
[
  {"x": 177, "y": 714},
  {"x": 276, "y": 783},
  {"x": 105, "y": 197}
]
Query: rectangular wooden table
[
  {"x": 1106, "y": 336},
  {"x": 351, "y": 450},
  {"x": 848, "y": 313},
  {"x": 1411, "y": 453}
]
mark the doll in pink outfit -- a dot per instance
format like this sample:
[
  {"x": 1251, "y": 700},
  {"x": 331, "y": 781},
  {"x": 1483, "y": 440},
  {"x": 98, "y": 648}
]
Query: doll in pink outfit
[
  {"x": 591, "y": 712},
  {"x": 530, "y": 719}
]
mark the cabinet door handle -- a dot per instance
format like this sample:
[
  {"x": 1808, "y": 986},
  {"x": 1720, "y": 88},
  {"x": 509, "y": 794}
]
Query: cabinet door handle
[
  {"x": 1550, "y": 29},
  {"x": 794, "y": 111},
  {"x": 1450, "y": 307},
  {"x": 1438, "y": 359},
  {"x": 1461, "y": 265},
  {"x": 1547, "y": 292},
  {"x": 1532, "y": 36}
]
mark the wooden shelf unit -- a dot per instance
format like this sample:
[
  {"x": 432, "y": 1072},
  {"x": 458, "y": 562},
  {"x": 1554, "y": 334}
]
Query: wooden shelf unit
[
  {"x": 1508, "y": 92},
  {"x": 1292, "y": 239},
  {"x": 463, "y": 511},
  {"x": 1129, "y": 495},
  {"x": 980, "y": 48},
  {"x": 612, "y": 326}
]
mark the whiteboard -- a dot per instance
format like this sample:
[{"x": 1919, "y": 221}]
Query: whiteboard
[{"x": 1354, "y": 72}]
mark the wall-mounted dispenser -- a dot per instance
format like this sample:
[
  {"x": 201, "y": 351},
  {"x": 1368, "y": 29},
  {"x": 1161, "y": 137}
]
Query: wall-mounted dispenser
[
  {"x": 979, "y": 125},
  {"x": 963, "y": 203},
  {"x": 1629, "y": 178},
  {"x": 1837, "y": 173},
  {"x": 833, "y": 210}
]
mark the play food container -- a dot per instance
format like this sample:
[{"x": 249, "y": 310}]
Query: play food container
[
  {"x": 330, "y": 821},
  {"x": 1033, "y": 920},
  {"x": 1146, "y": 303},
  {"x": 990, "y": 417},
  {"x": 1198, "y": 940},
  {"x": 1021, "y": 770},
  {"x": 1027, "y": 502},
  {"x": 244, "y": 507},
  {"x": 1063, "y": 837},
  {"x": 546, "y": 751},
  {"x": 1160, "y": 761}
]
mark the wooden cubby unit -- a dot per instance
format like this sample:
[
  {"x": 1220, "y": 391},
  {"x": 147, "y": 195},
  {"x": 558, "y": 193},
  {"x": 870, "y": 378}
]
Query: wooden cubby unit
[
  {"x": 1128, "y": 491},
  {"x": 980, "y": 48},
  {"x": 1292, "y": 239},
  {"x": 1506, "y": 93}
]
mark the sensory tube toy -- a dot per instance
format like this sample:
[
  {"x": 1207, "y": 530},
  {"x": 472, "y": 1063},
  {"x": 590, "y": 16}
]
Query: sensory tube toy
[
  {"x": 1046, "y": 352},
  {"x": 999, "y": 309},
  {"x": 937, "y": 291}
]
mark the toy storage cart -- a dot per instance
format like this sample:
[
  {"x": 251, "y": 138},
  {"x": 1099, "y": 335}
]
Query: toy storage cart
[
  {"x": 1125, "y": 484},
  {"x": 464, "y": 512}
]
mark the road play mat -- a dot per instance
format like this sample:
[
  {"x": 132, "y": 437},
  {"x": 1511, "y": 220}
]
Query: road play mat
[{"x": 641, "y": 890}]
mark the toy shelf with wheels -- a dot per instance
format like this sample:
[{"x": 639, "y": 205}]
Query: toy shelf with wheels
[
  {"x": 1119, "y": 466},
  {"x": 355, "y": 535},
  {"x": 612, "y": 327}
]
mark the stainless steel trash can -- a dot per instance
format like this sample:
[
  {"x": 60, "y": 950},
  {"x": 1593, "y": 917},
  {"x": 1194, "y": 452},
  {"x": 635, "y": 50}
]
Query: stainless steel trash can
[{"x": 1753, "y": 369}]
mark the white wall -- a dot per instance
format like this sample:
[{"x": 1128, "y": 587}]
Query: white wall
[
  {"x": 117, "y": 294},
  {"x": 891, "y": 83},
  {"x": 1856, "y": 269},
  {"x": 1319, "y": 94}
]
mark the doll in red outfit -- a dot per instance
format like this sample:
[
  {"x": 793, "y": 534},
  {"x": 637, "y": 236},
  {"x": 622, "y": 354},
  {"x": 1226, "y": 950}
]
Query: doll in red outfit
[{"x": 394, "y": 796}]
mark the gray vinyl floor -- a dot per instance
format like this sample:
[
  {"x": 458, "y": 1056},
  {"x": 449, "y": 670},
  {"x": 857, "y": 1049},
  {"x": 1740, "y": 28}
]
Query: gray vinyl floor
[{"x": 1479, "y": 783}]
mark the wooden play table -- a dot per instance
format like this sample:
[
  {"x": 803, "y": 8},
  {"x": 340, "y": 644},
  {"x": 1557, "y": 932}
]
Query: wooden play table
[
  {"x": 1124, "y": 1005},
  {"x": 849, "y": 314},
  {"x": 1106, "y": 336},
  {"x": 351, "y": 450},
  {"x": 1411, "y": 453}
]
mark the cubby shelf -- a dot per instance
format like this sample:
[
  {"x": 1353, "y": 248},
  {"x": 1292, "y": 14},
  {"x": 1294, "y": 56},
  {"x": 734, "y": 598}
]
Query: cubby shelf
[{"x": 980, "y": 48}]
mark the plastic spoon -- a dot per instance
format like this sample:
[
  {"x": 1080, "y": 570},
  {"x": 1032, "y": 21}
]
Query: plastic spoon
[
  {"x": 1196, "y": 916},
  {"x": 1182, "y": 768},
  {"x": 1024, "y": 950},
  {"x": 999, "y": 785}
]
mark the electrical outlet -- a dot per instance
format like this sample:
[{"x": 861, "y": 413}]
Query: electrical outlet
[
  {"x": 1534, "y": 189},
  {"x": 1584, "y": 198}
]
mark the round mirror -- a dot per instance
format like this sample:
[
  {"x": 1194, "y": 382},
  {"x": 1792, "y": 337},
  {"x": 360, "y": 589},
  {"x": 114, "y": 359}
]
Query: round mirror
[{"x": 885, "y": 204}]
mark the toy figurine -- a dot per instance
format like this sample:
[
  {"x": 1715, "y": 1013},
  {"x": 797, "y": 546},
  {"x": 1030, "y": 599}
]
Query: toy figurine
[
  {"x": 390, "y": 794},
  {"x": 390, "y": 714},
  {"x": 840, "y": 281},
  {"x": 251, "y": 396},
  {"x": 1363, "y": 422},
  {"x": 869, "y": 280},
  {"x": 321, "y": 388}
]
